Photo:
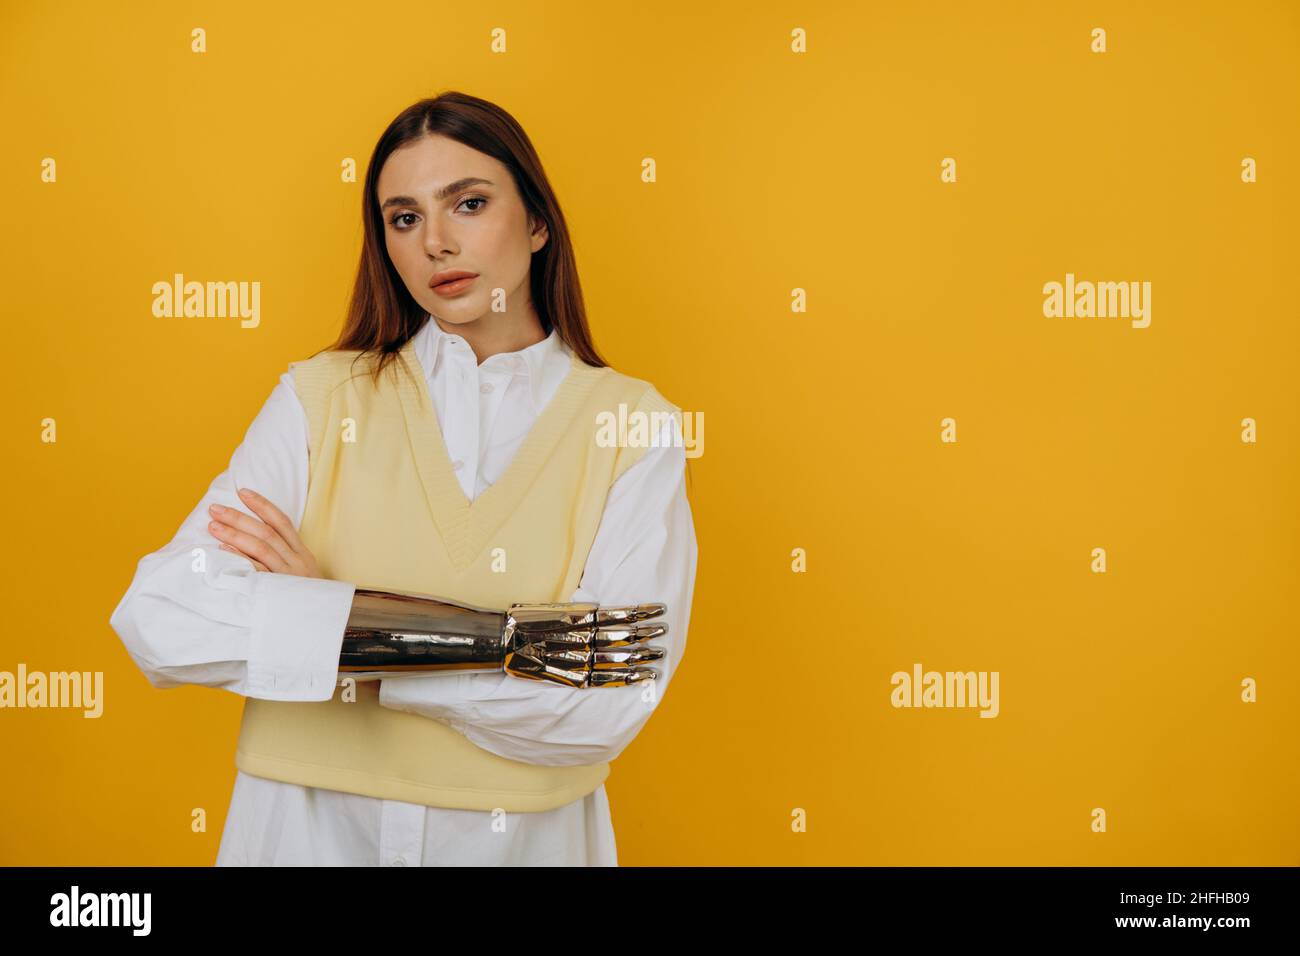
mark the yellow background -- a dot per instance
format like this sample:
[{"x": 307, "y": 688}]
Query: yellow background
[{"x": 776, "y": 171}]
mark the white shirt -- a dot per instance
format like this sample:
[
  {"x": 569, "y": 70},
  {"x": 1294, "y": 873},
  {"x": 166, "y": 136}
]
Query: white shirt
[{"x": 210, "y": 619}]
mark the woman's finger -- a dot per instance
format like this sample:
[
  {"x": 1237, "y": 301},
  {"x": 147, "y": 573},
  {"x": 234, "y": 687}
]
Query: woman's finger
[
  {"x": 242, "y": 530},
  {"x": 256, "y": 564},
  {"x": 254, "y": 546},
  {"x": 274, "y": 517}
]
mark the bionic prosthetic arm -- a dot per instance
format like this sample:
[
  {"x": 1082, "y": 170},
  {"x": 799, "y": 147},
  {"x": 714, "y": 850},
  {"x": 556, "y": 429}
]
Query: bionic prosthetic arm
[{"x": 401, "y": 633}]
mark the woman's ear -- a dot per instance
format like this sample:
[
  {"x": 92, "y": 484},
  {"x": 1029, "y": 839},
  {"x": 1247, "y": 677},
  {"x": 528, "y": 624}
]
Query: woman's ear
[{"x": 540, "y": 233}]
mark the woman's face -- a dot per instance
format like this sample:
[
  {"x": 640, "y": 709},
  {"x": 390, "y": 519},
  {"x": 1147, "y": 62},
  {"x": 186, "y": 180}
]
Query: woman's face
[{"x": 449, "y": 207}]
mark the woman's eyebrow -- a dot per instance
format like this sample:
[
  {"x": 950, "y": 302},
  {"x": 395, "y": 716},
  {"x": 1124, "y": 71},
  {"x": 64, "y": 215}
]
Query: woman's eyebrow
[{"x": 442, "y": 193}]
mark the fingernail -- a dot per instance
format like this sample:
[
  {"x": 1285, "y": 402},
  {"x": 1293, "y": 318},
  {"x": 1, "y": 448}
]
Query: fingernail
[{"x": 216, "y": 509}]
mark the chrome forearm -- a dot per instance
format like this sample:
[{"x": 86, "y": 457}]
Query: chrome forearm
[
  {"x": 578, "y": 644},
  {"x": 398, "y": 632}
]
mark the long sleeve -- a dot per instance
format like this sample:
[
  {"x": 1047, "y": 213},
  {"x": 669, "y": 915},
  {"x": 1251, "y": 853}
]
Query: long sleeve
[
  {"x": 195, "y": 614},
  {"x": 644, "y": 550}
]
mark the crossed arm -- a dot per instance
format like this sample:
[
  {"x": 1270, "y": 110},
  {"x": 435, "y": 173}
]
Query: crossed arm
[{"x": 263, "y": 626}]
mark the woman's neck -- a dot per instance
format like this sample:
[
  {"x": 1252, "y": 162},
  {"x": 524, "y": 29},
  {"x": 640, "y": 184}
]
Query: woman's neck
[{"x": 494, "y": 333}]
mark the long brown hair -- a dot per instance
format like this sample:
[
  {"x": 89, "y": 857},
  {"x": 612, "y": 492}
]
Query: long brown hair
[{"x": 382, "y": 315}]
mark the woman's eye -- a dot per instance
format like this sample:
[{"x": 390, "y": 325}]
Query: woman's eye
[{"x": 397, "y": 223}]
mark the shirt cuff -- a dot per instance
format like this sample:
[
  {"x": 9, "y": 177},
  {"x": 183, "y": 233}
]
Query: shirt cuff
[{"x": 297, "y": 636}]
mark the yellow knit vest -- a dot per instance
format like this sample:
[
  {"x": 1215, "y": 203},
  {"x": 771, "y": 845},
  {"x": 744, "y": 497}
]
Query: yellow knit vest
[{"x": 385, "y": 510}]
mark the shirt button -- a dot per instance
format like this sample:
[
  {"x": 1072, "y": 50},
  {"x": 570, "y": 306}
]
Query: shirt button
[
  {"x": 485, "y": 387},
  {"x": 399, "y": 862},
  {"x": 456, "y": 465}
]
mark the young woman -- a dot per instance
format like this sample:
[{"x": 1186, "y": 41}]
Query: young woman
[{"x": 444, "y": 446}]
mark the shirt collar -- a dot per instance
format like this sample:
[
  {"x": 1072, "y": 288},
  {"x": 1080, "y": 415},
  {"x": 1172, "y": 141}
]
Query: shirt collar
[{"x": 530, "y": 361}]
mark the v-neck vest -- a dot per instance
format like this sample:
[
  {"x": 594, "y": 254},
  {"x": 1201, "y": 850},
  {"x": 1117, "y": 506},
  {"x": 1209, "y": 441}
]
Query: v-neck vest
[{"x": 384, "y": 510}]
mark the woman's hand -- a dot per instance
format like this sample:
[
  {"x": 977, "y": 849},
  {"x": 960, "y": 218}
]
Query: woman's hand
[{"x": 271, "y": 544}]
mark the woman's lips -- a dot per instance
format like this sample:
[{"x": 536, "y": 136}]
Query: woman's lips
[{"x": 454, "y": 287}]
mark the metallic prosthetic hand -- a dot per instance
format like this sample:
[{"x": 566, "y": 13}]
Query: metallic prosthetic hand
[{"x": 400, "y": 633}]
